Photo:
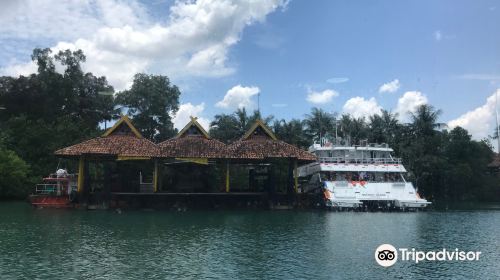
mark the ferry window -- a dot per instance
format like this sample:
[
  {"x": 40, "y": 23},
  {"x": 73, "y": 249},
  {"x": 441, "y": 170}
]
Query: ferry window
[{"x": 379, "y": 177}]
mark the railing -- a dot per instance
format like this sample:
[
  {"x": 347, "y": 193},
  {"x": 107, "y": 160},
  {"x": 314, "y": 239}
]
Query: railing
[
  {"x": 46, "y": 188},
  {"x": 360, "y": 160}
]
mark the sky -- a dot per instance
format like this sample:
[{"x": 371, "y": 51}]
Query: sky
[{"x": 354, "y": 57}]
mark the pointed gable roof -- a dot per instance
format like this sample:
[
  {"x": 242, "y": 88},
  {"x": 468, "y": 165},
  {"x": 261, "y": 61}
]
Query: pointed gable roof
[
  {"x": 122, "y": 140},
  {"x": 259, "y": 143},
  {"x": 121, "y": 127},
  {"x": 259, "y": 128},
  {"x": 193, "y": 128},
  {"x": 192, "y": 142}
]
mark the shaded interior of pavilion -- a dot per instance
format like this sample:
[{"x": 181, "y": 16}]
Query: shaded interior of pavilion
[{"x": 123, "y": 162}]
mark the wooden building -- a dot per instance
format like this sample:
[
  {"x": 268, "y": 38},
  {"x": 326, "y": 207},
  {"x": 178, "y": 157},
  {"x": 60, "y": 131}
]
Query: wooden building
[{"x": 189, "y": 166}]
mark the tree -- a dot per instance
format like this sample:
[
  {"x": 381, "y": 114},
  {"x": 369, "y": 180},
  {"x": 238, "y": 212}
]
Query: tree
[
  {"x": 49, "y": 110},
  {"x": 383, "y": 128},
  {"x": 229, "y": 128},
  {"x": 225, "y": 128},
  {"x": 151, "y": 101},
  {"x": 318, "y": 124},
  {"x": 14, "y": 175},
  {"x": 292, "y": 132}
]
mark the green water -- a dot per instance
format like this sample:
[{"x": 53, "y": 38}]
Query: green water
[{"x": 72, "y": 244}]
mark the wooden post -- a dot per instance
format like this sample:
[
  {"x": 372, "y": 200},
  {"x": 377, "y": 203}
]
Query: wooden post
[
  {"x": 155, "y": 177},
  {"x": 227, "y": 176},
  {"x": 81, "y": 175},
  {"x": 295, "y": 177}
]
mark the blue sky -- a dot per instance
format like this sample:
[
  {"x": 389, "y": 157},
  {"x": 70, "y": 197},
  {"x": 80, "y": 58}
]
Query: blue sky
[{"x": 297, "y": 54}]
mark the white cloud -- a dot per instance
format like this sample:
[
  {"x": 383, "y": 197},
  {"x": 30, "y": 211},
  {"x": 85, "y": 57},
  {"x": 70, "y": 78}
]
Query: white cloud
[
  {"x": 24, "y": 69},
  {"x": 391, "y": 86},
  {"x": 408, "y": 103},
  {"x": 479, "y": 77},
  {"x": 337, "y": 80},
  {"x": 437, "y": 35},
  {"x": 321, "y": 97},
  {"x": 238, "y": 97},
  {"x": 120, "y": 38},
  {"x": 479, "y": 122},
  {"x": 188, "y": 110},
  {"x": 360, "y": 107}
]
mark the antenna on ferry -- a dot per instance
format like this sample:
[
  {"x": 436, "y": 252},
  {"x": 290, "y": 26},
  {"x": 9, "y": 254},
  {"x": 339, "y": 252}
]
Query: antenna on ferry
[{"x": 496, "y": 112}]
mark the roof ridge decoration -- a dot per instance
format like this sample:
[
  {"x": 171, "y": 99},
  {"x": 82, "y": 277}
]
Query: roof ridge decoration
[
  {"x": 123, "y": 120},
  {"x": 193, "y": 123},
  {"x": 259, "y": 123}
]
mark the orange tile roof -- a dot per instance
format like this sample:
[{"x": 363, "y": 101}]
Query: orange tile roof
[
  {"x": 122, "y": 140},
  {"x": 115, "y": 145},
  {"x": 260, "y": 143},
  {"x": 192, "y": 142}
]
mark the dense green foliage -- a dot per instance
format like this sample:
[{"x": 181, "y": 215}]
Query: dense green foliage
[
  {"x": 49, "y": 110},
  {"x": 151, "y": 101},
  {"x": 229, "y": 128},
  {"x": 14, "y": 175},
  {"x": 61, "y": 105}
]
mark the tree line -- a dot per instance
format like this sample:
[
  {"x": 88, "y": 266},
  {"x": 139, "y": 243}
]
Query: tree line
[{"x": 54, "y": 108}]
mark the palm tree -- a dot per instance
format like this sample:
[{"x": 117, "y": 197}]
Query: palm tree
[
  {"x": 319, "y": 123},
  {"x": 383, "y": 128},
  {"x": 424, "y": 120},
  {"x": 225, "y": 128},
  {"x": 291, "y": 132}
]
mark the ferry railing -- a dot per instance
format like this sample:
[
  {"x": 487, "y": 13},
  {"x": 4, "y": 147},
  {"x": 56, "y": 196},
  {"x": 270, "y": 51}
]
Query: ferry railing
[
  {"x": 46, "y": 188},
  {"x": 360, "y": 160}
]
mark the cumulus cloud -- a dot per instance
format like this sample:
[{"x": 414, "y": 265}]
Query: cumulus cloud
[
  {"x": 392, "y": 86},
  {"x": 238, "y": 97},
  {"x": 480, "y": 122},
  {"x": 408, "y": 103},
  {"x": 120, "y": 38},
  {"x": 360, "y": 107},
  {"x": 188, "y": 110},
  {"x": 321, "y": 97}
]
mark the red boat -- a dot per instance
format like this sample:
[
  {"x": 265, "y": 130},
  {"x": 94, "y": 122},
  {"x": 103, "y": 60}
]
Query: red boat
[{"x": 56, "y": 191}]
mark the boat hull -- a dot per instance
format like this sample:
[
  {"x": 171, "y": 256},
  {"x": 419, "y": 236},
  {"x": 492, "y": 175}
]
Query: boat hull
[{"x": 45, "y": 201}]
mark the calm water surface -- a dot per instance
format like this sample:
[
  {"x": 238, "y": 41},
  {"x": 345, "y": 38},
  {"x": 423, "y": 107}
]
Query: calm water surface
[{"x": 62, "y": 244}]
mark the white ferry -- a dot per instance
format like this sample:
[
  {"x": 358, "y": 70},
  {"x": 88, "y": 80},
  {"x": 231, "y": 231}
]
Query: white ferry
[{"x": 364, "y": 176}]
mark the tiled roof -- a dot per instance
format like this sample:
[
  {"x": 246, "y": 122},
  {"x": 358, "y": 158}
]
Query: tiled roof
[
  {"x": 192, "y": 147},
  {"x": 262, "y": 147},
  {"x": 122, "y": 140},
  {"x": 192, "y": 142},
  {"x": 260, "y": 143},
  {"x": 115, "y": 145}
]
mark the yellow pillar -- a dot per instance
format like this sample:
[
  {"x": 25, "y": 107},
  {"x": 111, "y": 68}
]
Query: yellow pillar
[
  {"x": 81, "y": 176},
  {"x": 155, "y": 176},
  {"x": 227, "y": 177},
  {"x": 295, "y": 176}
]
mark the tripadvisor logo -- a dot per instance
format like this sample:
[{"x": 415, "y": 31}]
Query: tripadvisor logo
[{"x": 387, "y": 255}]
